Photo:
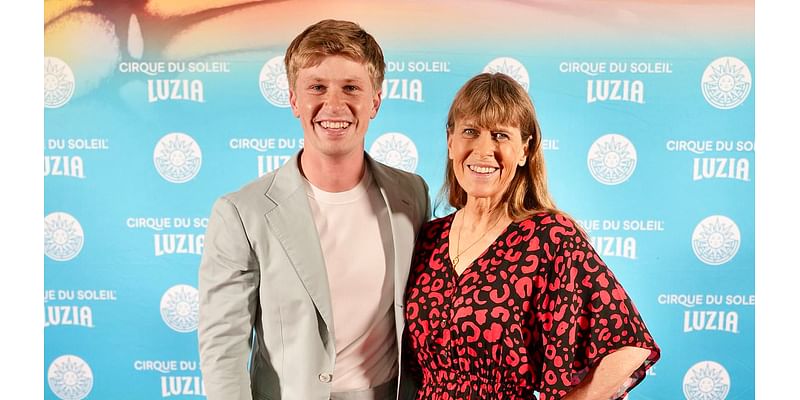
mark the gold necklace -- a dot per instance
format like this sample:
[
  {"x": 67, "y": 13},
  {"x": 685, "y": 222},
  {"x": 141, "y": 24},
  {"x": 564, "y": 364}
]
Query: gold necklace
[{"x": 458, "y": 245}]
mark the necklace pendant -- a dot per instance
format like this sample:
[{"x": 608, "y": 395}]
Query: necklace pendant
[{"x": 455, "y": 261}]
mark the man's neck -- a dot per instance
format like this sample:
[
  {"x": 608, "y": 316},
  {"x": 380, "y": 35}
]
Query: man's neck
[{"x": 332, "y": 174}]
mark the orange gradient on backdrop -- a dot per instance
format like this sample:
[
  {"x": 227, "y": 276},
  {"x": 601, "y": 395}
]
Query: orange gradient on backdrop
[
  {"x": 451, "y": 24},
  {"x": 85, "y": 41},
  {"x": 192, "y": 29}
]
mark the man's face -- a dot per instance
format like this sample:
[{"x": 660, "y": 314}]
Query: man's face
[{"x": 335, "y": 101}]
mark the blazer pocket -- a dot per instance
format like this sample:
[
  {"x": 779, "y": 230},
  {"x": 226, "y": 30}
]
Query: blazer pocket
[{"x": 259, "y": 396}]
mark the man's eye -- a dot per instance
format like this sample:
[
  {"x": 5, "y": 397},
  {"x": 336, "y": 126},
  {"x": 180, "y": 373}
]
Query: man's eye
[
  {"x": 470, "y": 132},
  {"x": 350, "y": 88},
  {"x": 316, "y": 88}
]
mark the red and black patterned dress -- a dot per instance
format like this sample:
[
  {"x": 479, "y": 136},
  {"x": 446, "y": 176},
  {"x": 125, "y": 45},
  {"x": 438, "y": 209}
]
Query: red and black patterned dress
[{"x": 535, "y": 312}]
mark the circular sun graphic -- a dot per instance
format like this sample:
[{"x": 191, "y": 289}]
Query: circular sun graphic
[
  {"x": 726, "y": 82},
  {"x": 70, "y": 377},
  {"x": 706, "y": 380},
  {"x": 180, "y": 307},
  {"x": 716, "y": 240},
  {"x": 63, "y": 236},
  {"x": 396, "y": 150},
  {"x": 177, "y": 157},
  {"x": 59, "y": 82},
  {"x": 510, "y": 67},
  {"x": 274, "y": 83},
  {"x": 612, "y": 159}
]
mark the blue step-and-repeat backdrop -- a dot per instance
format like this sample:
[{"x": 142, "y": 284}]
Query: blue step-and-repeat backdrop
[{"x": 156, "y": 108}]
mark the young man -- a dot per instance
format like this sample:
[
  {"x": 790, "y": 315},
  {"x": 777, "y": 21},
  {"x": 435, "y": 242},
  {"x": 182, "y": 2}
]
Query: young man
[{"x": 308, "y": 264}]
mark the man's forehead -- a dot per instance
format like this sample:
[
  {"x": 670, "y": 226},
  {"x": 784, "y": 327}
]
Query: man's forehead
[
  {"x": 317, "y": 76},
  {"x": 314, "y": 62},
  {"x": 342, "y": 71}
]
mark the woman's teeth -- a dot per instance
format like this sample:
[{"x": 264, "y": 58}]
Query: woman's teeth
[{"x": 482, "y": 170}]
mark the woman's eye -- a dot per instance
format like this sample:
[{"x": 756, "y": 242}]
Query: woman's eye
[{"x": 500, "y": 135}]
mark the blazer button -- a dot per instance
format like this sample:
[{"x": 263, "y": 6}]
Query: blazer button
[{"x": 325, "y": 378}]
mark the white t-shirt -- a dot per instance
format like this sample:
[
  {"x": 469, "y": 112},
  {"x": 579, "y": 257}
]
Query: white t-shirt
[{"x": 353, "y": 227}]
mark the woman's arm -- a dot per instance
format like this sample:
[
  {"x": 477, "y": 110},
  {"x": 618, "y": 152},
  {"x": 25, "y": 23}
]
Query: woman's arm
[{"x": 609, "y": 379}]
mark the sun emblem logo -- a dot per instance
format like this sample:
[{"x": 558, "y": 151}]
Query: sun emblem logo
[
  {"x": 706, "y": 380},
  {"x": 179, "y": 308},
  {"x": 395, "y": 150},
  {"x": 612, "y": 159},
  {"x": 510, "y": 67},
  {"x": 726, "y": 82},
  {"x": 70, "y": 378},
  {"x": 273, "y": 82},
  {"x": 63, "y": 236},
  {"x": 59, "y": 82},
  {"x": 177, "y": 157},
  {"x": 716, "y": 240}
]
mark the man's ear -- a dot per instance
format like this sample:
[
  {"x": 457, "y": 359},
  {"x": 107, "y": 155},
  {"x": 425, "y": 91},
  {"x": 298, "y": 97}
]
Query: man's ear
[
  {"x": 293, "y": 103},
  {"x": 376, "y": 103}
]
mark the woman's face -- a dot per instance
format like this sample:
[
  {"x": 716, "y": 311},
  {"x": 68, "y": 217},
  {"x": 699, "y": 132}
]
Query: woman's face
[{"x": 485, "y": 159}]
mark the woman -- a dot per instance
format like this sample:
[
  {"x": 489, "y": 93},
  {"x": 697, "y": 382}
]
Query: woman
[{"x": 506, "y": 296}]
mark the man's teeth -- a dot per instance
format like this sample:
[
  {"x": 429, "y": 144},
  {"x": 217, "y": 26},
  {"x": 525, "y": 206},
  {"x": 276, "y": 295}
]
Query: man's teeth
[
  {"x": 482, "y": 170},
  {"x": 334, "y": 125}
]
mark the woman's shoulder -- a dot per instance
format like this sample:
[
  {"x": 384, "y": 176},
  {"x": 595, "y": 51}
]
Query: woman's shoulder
[
  {"x": 546, "y": 220},
  {"x": 436, "y": 226},
  {"x": 440, "y": 222},
  {"x": 551, "y": 227}
]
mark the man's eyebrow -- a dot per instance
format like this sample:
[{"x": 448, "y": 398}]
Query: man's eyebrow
[{"x": 345, "y": 80}]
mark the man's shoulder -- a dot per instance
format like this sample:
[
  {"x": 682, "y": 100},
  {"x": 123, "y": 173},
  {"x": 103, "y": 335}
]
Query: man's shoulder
[
  {"x": 254, "y": 187},
  {"x": 251, "y": 194},
  {"x": 276, "y": 182},
  {"x": 399, "y": 175}
]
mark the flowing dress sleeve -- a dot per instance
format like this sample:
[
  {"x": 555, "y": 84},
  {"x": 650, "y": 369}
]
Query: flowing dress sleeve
[{"x": 583, "y": 314}]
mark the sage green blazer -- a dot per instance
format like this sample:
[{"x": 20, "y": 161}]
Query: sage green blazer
[{"x": 263, "y": 286}]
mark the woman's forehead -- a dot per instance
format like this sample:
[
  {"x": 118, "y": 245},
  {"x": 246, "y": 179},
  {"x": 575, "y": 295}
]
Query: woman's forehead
[{"x": 485, "y": 123}]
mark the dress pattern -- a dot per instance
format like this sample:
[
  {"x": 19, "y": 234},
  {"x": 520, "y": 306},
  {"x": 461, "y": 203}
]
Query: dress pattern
[{"x": 535, "y": 312}]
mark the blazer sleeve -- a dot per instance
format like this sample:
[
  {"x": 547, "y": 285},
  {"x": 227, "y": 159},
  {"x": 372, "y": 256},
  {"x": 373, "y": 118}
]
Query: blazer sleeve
[
  {"x": 427, "y": 205},
  {"x": 228, "y": 285}
]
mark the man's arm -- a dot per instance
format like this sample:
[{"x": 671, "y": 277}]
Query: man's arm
[
  {"x": 427, "y": 214},
  {"x": 228, "y": 284}
]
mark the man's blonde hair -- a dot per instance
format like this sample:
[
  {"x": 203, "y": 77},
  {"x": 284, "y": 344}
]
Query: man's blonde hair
[{"x": 334, "y": 38}]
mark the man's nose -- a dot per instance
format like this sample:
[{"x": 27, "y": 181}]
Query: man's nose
[{"x": 334, "y": 100}]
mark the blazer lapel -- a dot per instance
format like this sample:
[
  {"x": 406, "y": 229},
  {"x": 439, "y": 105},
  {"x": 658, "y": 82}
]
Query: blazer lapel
[
  {"x": 399, "y": 206},
  {"x": 291, "y": 222}
]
